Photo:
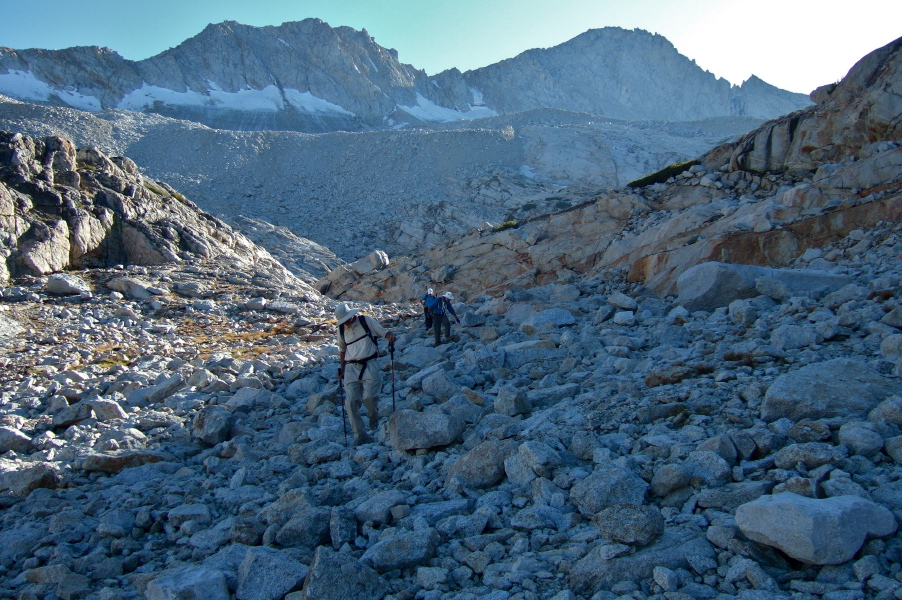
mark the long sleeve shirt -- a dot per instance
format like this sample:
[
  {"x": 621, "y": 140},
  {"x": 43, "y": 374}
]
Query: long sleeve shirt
[{"x": 443, "y": 306}]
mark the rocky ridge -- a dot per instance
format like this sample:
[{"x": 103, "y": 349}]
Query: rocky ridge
[
  {"x": 618, "y": 74},
  {"x": 307, "y": 76}
]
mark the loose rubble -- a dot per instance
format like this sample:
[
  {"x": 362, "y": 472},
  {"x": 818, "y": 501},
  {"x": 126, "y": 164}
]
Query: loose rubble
[{"x": 156, "y": 446}]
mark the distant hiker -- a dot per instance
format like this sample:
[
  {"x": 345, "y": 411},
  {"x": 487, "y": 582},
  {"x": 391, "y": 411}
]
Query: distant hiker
[
  {"x": 427, "y": 302},
  {"x": 358, "y": 349},
  {"x": 440, "y": 309}
]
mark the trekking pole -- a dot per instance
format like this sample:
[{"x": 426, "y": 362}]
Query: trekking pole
[
  {"x": 341, "y": 395},
  {"x": 391, "y": 350}
]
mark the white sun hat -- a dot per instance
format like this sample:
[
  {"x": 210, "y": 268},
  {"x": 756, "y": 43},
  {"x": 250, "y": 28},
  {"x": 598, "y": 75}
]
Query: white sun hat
[{"x": 343, "y": 313}]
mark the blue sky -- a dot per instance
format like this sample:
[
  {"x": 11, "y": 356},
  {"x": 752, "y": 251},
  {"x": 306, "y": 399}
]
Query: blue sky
[{"x": 793, "y": 44}]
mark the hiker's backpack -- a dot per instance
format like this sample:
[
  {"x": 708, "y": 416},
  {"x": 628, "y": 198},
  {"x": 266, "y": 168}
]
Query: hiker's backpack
[
  {"x": 367, "y": 333},
  {"x": 439, "y": 307}
]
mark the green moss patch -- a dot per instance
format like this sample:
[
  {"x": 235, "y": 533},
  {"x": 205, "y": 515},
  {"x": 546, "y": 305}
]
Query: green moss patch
[{"x": 664, "y": 174}]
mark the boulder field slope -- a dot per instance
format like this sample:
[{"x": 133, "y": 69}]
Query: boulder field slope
[
  {"x": 175, "y": 430},
  {"x": 404, "y": 190}
]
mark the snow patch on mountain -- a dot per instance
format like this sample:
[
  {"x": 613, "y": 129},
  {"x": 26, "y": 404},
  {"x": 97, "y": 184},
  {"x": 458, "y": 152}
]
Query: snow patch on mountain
[
  {"x": 24, "y": 85},
  {"x": 426, "y": 110},
  {"x": 269, "y": 99},
  {"x": 308, "y": 102}
]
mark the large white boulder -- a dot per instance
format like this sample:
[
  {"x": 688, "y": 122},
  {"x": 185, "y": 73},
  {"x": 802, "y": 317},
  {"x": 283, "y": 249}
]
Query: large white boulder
[
  {"x": 374, "y": 261},
  {"x": 834, "y": 388},
  {"x": 711, "y": 285},
  {"x": 821, "y": 532}
]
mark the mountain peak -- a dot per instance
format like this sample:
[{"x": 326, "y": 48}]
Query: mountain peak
[
  {"x": 308, "y": 76},
  {"x": 617, "y": 73}
]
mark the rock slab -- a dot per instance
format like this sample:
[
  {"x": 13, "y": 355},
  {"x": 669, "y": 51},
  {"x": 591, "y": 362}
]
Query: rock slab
[
  {"x": 835, "y": 388},
  {"x": 821, "y": 532},
  {"x": 337, "y": 576}
]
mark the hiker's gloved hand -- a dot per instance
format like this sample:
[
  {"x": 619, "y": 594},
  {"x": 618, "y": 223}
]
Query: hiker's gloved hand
[{"x": 458, "y": 321}]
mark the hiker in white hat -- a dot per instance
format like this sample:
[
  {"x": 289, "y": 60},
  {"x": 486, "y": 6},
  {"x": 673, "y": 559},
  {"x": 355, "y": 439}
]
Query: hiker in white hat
[
  {"x": 439, "y": 311},
  {"x": 358, "y": 349}
]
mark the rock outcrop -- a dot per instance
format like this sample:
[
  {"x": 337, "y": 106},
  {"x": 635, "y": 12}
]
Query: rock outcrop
[
  {"x": 62, "y": 208},
  {"x": 849, "y": 122},
  {"x": 306, "y": 259}
]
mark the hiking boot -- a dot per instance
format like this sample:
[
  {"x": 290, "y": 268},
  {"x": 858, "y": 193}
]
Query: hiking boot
[
  {"x": 374, "y": 423},
  {"x": 362, "y": 439}
]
